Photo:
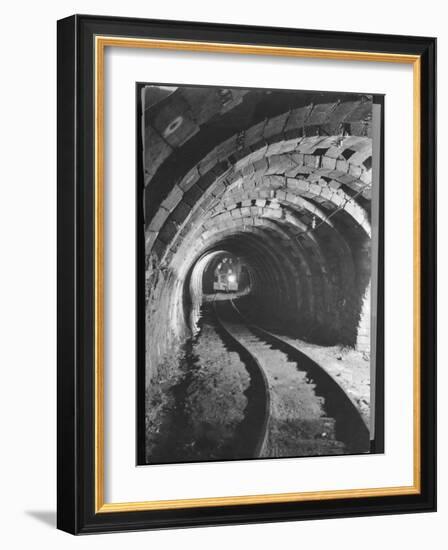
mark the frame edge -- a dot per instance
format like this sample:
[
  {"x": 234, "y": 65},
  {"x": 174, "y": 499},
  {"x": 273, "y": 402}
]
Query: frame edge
[
  {"x": 67, "y": 454},
  {"x": 71, "y": 484}
]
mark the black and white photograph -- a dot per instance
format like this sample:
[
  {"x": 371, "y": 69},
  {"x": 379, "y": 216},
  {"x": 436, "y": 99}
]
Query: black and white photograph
[
  {"x": 260, "y": 211},
  {"x": 219, "y": 275}
]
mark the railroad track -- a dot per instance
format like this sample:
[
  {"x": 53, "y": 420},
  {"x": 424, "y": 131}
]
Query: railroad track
[{"x": 302, "y": 411}]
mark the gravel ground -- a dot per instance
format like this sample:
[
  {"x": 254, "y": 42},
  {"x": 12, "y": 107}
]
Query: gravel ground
[
  {"x": 215, "y": 400},
  {"x": 196, "y": 402},
  {"x": 194, "y": 407}
]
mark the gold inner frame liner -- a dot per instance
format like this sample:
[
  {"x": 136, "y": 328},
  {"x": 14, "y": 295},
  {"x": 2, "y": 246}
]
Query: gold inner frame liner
[{"x": 101, "y": 42}]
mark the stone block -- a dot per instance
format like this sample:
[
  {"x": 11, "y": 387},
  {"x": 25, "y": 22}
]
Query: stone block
[
  {"x": 249, "y": 185},
  {"x": 281, "y": 195},
  {"x": 319, "y": 199},
  {"x": 297, "y": 185},
  {"x": 264, "y": 194},
  {"x": 328, "y": 162},
  {"x": 206, "y": 202},
  {"x": 248, "y": 170},
  {"x": 345, "y": 179},
  {"x": 357, "y": 143},
  {"x": 150, "y": 238},
  {"x": 326, "y": 192},
  {"x": 226, "y": 148},
  {"x": 298, "y": 157},
  {"x": 279, "y": 164},
  {"x": 193, "y": 195},
  {"x": 289, "y": 145},
  {"x": 315, "y": 189},
  {"x": 208, "y": 162},
  {"x": 320, "y": 113},
  {"x": 190, "y": 179},
  {"x": 174, "y": 121},
  {"x": 159, "y": 219},
  {"x": 297, "y": 119},
  {"x": 272, "y": 212},
  {"x": 241, "y": 164},
  {"x": 181, "y": 212},
  {"x": 206, "y": 180},
  {"x": 251, "y": 158},
  {"x": 324, "y": 173},
  {"x": 212, "y": 222},
  {"x": 261, "y": 166},
  {"x": 221, "y": 170},
  {"x": 360, "y": 156},
  {"x": 225, "y": 216},
  {"x": 356, "y": 185},
  {"x": 156, "y": 150},
  {"x": 158, "y": 249},
  {"x": 361, "y": 128},
  {"x": 202, "y": 104},
  {"x": 254, "y": 134},
  {"x": 218, "y": 189},
  {"x": 274, "y": 182},
  {"x": 334, "y": 152},
  {"x": 354, "y": 170},
  {"x": 254, "y": 211},
  {"x": 274, "y": 148},
  {"x": 311, "y": 161},
  {"x": 342, "y": 111},
  {"x": 173, "y": 198},
  {"x": 296, "y": 200},
  {"x": 168, "y": 231},
  {"x": 362, "y": 112},
  {"x": 309, "y": 144},
  {"x": 342, "y": 165},
  {"x": 274, "y": 126}
]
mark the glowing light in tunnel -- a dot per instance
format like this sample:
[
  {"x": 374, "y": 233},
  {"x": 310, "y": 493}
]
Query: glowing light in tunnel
[{"x": 231, "y": 278}]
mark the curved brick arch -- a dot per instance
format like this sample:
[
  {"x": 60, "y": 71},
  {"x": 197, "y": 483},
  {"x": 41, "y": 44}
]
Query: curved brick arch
[
  {"x": 341, "y": 160},
  {"x": 318, "y": 268},
  {"x": 266, "y": 244},
  {"x": 299, "y": 182},
  {"x": 271, "y": 255},
  {"x": 324, "y": 292}
]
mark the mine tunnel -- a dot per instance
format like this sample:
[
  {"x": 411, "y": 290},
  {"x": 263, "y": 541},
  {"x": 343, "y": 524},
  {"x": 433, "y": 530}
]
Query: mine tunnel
[
  {"x": 289, "y": 194},
  {"x": 276, "y": 184}
]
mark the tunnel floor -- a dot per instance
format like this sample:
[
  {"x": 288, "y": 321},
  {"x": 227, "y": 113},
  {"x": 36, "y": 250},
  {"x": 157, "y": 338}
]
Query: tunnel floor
[{"x": 241, "y": 394}]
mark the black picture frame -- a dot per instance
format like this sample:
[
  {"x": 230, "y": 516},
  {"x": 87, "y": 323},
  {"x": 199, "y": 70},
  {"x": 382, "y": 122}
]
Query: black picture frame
[{"x": 76, "y": 476}]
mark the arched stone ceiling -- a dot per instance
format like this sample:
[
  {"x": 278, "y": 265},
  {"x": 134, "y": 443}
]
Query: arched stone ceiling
[{"x": 289, "y": 193}]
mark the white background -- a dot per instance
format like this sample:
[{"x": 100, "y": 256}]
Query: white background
[
  {"x": 126, "y": 483},
  {"x": 28, "y": 273}
]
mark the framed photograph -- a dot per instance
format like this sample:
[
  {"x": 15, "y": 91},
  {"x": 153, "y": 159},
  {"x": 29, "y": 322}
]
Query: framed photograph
[{"x": 246, "y": 274}]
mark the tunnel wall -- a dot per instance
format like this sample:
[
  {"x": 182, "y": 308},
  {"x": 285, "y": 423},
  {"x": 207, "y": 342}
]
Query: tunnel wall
[{"x": 290, "y": 199}]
